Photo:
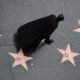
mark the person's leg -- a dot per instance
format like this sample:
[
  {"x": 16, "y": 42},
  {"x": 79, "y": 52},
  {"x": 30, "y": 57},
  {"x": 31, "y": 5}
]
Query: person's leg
[{"x": 48, "y": 40}]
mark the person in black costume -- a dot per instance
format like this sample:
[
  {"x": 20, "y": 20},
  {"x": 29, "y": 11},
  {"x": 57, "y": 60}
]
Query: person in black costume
[{"x": 29, "y": 35}]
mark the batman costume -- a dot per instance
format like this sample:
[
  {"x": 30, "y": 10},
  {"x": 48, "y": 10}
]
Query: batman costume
[{"x": 29, "y": 35}]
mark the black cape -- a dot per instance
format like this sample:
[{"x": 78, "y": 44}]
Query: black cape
[{"x": 29, "y": 35}]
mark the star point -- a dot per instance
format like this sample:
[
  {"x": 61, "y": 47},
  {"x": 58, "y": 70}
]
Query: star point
[
  {"x": 78, "y": 29},
  {"x": 68, "y": 55},
  {"x": 20, "y": 59}
]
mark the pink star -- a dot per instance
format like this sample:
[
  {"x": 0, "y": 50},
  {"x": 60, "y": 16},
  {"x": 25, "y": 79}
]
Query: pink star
[
  {"x": 68, "y": 55},
  {"x": 78, "y": 29},
  {"x": 20, "y": 59}
]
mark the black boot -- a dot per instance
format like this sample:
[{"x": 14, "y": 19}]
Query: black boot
[{"x": 49, "y": 41}]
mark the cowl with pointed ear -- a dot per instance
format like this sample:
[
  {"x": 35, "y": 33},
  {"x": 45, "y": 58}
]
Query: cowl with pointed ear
[
  {"x": 60, "y": 17},
  {"x": 29, "y": 35}
]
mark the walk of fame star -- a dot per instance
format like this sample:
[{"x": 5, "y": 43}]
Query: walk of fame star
[
  {"x": 68, "y": 55},
  {"x": 78, "y": 29},
  {"x": 20, "y": 59}
]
